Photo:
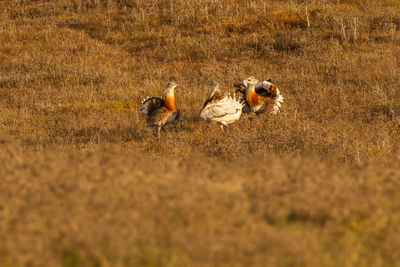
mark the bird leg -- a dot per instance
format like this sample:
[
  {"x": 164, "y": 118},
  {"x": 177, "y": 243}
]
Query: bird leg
[
  {"x": 222, "y": 127},
  {"x": 158, "y": 133}
]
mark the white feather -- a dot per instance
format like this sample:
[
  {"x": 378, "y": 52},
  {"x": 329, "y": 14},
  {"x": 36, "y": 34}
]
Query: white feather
[
  {"x": 278, "y": 103},
  {"x": 143, "y": 110},
  {"x": 225, "y": 111}
]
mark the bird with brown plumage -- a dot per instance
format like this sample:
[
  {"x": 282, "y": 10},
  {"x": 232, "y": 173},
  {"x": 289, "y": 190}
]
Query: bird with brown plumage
[
  {"x": 161, "y": 111},
  {"x": 259, "y": 97}
]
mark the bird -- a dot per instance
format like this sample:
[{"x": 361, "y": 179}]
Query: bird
[
  {"x": 221, "y": 108},
  {"x": 161, "y": 111},
  {"x": 258, "y": 96}
]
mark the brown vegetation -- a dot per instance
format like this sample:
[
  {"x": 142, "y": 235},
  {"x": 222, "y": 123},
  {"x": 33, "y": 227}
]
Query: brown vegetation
[{"x": 84, "y": 181}]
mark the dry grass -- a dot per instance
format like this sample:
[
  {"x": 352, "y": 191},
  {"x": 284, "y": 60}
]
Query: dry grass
[
  {"x": 99, "y": 208},
  {"x": 313, "y": 186}
]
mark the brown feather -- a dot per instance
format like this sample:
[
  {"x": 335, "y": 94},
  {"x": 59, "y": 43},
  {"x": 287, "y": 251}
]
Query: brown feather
[
  {"x": 252, "y": 98},
  {"x": 170, "y": 102},
  {"x": 158, "y": 117},
  {"x": 240, "y": 87},
  {"x": 152, "y": 104},
  {"x": 217, "y": 96},
  {"x": 268, "y": 95}
]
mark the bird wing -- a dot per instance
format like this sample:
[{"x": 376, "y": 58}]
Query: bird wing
[
  {"x": 264, "y": 89},
  {"x": 269, "y": 92},
  {"x": 240, "y": 87},
  {"x": 152, "y": 104},
  {"x": 158, "y": 117},
  {"x": 213, "y": 98},
  {"x": 227, "y": 105}
]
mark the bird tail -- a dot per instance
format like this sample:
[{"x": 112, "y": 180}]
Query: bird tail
[
  {"x": 237, "y": 103},
  {"x": 277, "y": 102},
  {"x": 151, "y": 104}
]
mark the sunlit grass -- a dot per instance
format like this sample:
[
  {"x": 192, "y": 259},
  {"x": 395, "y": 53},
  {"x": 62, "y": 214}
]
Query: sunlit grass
[{"x": 86, "y": 183}]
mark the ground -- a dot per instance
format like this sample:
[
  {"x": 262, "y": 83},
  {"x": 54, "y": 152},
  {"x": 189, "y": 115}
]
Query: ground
[{"x": 84, "y": 182}]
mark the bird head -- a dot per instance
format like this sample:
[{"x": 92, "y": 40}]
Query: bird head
[
  {"x": 250, "y": 79},
  {"x": 250, "y": 82},
  {"x": 170, "y": 88}
]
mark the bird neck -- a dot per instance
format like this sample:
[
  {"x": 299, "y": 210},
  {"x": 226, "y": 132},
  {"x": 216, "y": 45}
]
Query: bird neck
[
  {"x": 170, "y": 101},
  {"x": 215, "y": 93},
  {"x": 251, "y": 97}
]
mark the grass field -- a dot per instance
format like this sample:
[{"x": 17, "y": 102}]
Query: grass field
[{"x": 84, "y": 182}]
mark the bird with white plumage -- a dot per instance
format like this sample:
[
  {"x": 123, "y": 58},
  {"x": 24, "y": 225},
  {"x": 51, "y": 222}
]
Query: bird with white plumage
[{"x": 220, "y": 108}]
